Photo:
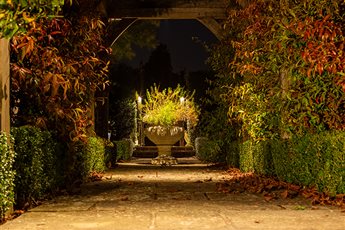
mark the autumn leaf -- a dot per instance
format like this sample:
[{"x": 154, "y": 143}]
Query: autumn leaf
[
  {"x": 268, "y": 197},
  {"x": 285, "y": 194}
]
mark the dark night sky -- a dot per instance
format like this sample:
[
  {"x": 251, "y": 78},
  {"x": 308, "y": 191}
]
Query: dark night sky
[{"x": 185, "y": 53}]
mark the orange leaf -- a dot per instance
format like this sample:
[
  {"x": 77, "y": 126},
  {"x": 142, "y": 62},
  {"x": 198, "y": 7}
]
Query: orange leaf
[
  {"x": 268, "y": 197},
  {"x": 284, "y": 194}
]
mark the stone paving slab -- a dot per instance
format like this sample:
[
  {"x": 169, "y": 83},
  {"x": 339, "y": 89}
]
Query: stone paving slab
[{"x": 139, "y": 196}]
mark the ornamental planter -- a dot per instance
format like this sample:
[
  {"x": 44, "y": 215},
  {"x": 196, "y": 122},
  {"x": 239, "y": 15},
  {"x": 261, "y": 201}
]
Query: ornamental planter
[{"x": 164, "y": 137}]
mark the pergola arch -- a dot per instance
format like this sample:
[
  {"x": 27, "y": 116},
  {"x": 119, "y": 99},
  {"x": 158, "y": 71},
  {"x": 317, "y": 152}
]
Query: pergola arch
[{"x": 209, "y": 12}]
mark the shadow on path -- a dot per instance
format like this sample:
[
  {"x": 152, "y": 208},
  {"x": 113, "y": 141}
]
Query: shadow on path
[{"x": 141, "y": 196}]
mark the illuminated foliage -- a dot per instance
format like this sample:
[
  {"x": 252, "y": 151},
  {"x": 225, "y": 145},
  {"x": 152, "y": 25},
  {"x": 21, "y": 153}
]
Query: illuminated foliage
[
  {"x": 56, "y": 68},
  {"x": 286, "y": 75},
  {"x": 17, "y": 15}
]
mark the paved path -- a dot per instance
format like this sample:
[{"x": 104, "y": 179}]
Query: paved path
[{"x": 141, "y": 196}]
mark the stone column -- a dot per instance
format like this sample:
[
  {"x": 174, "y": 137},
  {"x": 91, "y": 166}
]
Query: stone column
[{"x": 5, "y": 85}]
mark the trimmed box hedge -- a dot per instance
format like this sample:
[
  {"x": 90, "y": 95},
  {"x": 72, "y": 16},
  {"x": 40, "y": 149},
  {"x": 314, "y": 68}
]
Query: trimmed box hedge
[
  {"x": 124, "y": 149},
  {"x": 312, "y": 160},
  {"x": 38, "y": 164},
  {"x": 7, "y": 175}
]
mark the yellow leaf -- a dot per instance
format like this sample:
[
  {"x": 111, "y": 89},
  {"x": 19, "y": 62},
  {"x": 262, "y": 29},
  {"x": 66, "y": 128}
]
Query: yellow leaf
[
  {"x": 10, "y": 2},
  {"x": 27, "y": 18}
]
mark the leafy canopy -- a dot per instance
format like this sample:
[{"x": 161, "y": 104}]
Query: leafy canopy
[{"x": 16, "y": 15}]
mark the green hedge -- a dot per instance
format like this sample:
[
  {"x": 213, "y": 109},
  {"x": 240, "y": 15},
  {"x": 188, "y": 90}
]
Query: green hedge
[
  {"x": 91, "y": 157},
  {"x": 124, "y": 149},
  {"x": 246, "y": 157},
  {"x": 110, "y": 153},
  {"x": 207, "y": 150},
  {"x": 7, "y": 175},
  {"x": 256, "y": 157},
  {"x": 38, "y": 165},
  {"x": 232, "y": 150},
  {"x": 312, "y": 160}
]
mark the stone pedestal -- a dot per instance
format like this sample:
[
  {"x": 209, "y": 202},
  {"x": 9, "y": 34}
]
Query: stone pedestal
[{"x": 164, "y": 138}]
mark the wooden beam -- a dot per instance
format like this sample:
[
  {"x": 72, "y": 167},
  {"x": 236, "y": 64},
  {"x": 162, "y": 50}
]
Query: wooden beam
[
  {"x": 214, "y": 26},
  {"x": 5, "y": 85},
  {"x": 170, "y": 13},
  {"x": 163, "y": 9}
]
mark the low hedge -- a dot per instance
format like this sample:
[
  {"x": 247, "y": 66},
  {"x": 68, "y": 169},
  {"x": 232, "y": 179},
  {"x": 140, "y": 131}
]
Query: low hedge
[
  {"x": 207, "y": 150},
  {"x": 110, "y": 153},
  {"x": 91, "y": 157},
  {"x": 232, "y": 150},
  {"x": 312, "y": 160},
  {"x": 124, "y": 149},
  {"x": 38, "y": 164},
  {"x": 7, "y": 175},
  {"x": 256, "y": 157}
]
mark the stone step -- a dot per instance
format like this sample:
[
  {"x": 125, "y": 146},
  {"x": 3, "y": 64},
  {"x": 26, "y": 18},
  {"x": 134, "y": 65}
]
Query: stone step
[{"x": 152, "y": 151}]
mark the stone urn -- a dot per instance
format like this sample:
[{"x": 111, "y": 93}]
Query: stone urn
[{"x": 164, "y": 137}]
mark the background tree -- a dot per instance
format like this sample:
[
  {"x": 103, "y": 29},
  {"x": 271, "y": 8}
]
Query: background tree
[
  {"x": 158, "y": 69},
  {"x": 142, "y": 34}
]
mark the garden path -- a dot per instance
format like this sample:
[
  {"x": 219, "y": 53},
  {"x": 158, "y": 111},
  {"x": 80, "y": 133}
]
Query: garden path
[{"x": 139, "y": 196}]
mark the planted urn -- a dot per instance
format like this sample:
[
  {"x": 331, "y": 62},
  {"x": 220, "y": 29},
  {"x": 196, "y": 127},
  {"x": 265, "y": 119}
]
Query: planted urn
[{"x": 165, "y": 112}]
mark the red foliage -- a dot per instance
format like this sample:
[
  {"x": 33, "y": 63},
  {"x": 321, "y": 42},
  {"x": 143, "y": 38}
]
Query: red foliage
[{"x": 271, "y": 188}]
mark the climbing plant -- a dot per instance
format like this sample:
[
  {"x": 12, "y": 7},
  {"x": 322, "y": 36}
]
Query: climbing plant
[
  {"x": 17, "y": 15},
  {"x": 286, "y": 75},
  {"x": 56, "y": 68}
]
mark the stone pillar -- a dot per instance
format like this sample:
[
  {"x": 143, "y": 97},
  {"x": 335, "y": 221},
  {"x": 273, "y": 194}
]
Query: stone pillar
[{"x": 5, "y": 85}]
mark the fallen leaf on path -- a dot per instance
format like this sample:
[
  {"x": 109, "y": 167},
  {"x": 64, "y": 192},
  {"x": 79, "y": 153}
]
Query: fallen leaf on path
[
  {"x": 272, "y": 188},
  {"x": 268, "y": 197},
  {"x": 284, "y": 194},
  {"x": 125, "y": 198}
]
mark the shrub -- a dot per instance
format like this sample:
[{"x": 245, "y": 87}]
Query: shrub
[
  {"x": 246, "y": 157},
  {"x": 215, "y": 126},
  {"x": 122, "y": 118},
  {"x": 124, "y": 149},
  {"x": 109, "y": 154},
  {"x": 206, "y": 150},
  {"x": 232, "y": 156},
  {"x": 313, "y": 160},
  {"x": 256, "y": 157},
  {"x": 38, "y": 170},
  {"x": 91, "y": 157},
  {"x": 7, "y": 175}
]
